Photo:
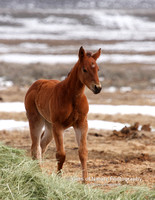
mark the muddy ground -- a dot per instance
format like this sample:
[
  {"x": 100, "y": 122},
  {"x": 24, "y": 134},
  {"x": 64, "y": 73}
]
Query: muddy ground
[{"x": 113, "y": 159}]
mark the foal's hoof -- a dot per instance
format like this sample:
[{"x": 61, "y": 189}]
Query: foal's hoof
[
  {"x": 84, "y": 181},
  {"x": 59, "y": 173}
]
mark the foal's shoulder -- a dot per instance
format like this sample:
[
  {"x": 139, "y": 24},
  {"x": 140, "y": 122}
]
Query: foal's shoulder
[{"x": 82, "y": 104}]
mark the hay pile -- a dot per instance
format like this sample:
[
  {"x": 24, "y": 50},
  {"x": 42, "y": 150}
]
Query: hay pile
[{"x": 22, "y": 179}]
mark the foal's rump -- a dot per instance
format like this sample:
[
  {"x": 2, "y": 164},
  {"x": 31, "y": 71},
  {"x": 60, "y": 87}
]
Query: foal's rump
[{"x": 38, "y": 97}]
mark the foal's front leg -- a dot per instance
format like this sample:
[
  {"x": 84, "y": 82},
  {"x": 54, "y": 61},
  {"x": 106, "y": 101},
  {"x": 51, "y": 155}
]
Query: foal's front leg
[{"x": 81, "y": 137}]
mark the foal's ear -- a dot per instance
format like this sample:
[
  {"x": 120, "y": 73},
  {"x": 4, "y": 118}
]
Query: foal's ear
[
  {"x": 97, "y": 54},
  {"x": 81, "y": 53}
]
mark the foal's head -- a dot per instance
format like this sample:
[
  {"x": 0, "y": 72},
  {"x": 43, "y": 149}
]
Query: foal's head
[{"x": 88, "y": 70}]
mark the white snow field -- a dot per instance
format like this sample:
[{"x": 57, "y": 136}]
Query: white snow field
[{"x": 93, "y": 108}]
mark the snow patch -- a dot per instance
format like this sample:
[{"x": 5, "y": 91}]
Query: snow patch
[
  {"x": 105, "y": 125},
  {"x": 12, "y": 125},
  {"x": 93, "y": 108},
  {"x": 111, "y": 89},
  {"x": 122, "y": 109},
  {"x": 12, "y": 107},
  {"x": 52, "y": 59},
  {"x": 93, "y": 124},
  {"x": 125, "y": 89},
  {"x": 5, "y": 84}
]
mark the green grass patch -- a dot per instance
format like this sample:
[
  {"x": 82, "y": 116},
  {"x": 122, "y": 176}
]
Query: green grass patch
[{"x": 22, "y": 179}]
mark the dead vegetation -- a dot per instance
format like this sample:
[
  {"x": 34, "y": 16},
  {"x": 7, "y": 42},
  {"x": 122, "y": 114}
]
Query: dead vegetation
[{"x": 132, "y": 132}]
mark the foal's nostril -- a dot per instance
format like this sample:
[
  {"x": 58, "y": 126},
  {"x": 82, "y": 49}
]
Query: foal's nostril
[{"x": 97, "y": 89}]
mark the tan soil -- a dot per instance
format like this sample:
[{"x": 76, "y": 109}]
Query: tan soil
[{"x": 111, "y": 160}]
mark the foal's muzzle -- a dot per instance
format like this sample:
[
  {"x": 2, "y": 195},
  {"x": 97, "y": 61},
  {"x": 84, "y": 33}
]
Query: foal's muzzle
[{"x": 97, "y": 88}]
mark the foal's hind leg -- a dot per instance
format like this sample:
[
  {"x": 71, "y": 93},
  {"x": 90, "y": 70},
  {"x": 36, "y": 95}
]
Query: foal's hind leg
[
  {"x": 36, "y": 123},
  {"x": 60, "y": 154},
  {"x": 46, "y": 137}
]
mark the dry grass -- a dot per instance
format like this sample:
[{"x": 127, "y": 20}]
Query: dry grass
[
  {"x": 134, "y": 75},
  {"x": 13, "y": 115},
  {"x": 21, "y": 178}
]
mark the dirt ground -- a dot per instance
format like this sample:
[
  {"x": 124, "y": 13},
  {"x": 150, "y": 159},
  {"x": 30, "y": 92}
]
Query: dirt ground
[
  {"x": 114, "y": 158},
  {"x": 112, "y": 161}
]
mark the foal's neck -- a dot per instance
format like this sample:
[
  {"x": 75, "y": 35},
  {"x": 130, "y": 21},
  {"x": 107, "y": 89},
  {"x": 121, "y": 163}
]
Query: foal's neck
[{"x": 74, "y": 86}]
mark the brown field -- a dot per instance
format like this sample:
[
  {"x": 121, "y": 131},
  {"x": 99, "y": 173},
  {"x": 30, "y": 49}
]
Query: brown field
[{"x": 114, "y": 159}]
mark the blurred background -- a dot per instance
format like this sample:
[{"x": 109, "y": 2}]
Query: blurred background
[{"x": 41, "y": 39}]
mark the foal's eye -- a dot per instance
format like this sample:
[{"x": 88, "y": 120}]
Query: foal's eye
[{"x": 84, "y": 70}]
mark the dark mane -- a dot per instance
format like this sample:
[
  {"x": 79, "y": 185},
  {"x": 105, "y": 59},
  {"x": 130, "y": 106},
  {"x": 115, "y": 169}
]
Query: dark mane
[
  {"x": 89, "y": 54},
  {"x": 69, "y": 72}
]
